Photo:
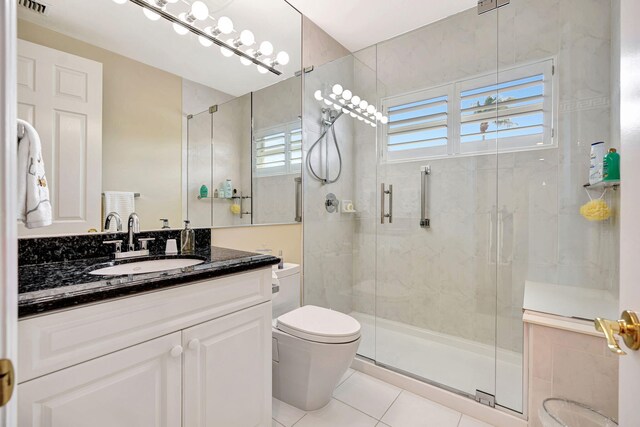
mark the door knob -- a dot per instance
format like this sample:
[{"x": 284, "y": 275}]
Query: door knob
[
  {"x": 628, "y": 327},
  {"x": 7, "y": 381},
  {"x": 176, "y": 351},
  {"x": 194, "y": 344}
]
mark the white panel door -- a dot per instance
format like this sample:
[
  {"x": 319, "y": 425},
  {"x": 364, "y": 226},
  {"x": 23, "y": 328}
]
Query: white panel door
[
  {"x": 61, "y": 95},
  {"x": 136, "y": 387},
  {"x": 629, "y": 384},
  {"x": 227, "y": 370}
]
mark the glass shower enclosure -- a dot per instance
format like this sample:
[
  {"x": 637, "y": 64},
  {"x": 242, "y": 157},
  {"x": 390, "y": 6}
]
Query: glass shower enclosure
[{"x": 466, "y": 190}]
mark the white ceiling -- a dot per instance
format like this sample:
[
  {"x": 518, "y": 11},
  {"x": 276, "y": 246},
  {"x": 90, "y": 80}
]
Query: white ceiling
[
  {"x": 357, "y": 24},
  {"x": 125, "y": 30}
]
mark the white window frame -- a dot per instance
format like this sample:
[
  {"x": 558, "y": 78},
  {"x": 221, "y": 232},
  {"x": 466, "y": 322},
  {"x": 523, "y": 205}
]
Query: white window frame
[
  {"x": 454, "y": 89},
  {"x": 288, "y": 168}
]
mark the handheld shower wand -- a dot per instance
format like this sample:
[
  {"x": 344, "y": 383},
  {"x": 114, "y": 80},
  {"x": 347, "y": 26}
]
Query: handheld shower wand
[{"x": 328, "y": 123}]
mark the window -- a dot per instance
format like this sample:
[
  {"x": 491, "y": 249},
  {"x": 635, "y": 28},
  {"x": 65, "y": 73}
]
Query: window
[
  {"x": 474, "y": 116},
  {"x": 278, "y": 151}
]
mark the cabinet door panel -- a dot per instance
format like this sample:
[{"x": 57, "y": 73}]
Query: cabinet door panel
[
  {"x": 227, "y": 371},
  {"x": 135, "y": 387}
]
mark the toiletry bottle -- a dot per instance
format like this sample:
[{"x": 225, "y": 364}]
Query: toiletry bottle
[
  {"x": 611, "y": 169},
  {"x": 204, "y": 191},
  {"x": 216, "y": 194},
  {"x": 221, "y": 191},
  {"x": 187, "y": 239},
  {"x": 597, "y": 160},
  {"x": 228, "y": 189},
  {"x": 281, "y": 263}
]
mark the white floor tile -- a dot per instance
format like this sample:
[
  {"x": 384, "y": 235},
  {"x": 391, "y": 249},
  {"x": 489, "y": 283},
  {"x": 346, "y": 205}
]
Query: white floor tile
[
  {"x": 381, "y": 424},
  {"x": 346, "y": 375},
  {"x": 367, "y": 394},
  {"x": 286, "y": 414},
  {"x": 410, "y": 410},
  {"x": 274, "y": 423},
  {"x": 336, "y": 414},
  {"x": 467, "y": 421}
]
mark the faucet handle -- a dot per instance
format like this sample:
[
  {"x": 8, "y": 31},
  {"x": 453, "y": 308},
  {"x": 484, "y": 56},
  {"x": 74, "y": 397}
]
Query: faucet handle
[
  {"x": 117, "y": 243},
  {"x": 144, "y": 241}
]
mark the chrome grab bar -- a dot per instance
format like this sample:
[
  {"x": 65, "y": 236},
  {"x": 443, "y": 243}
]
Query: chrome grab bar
[
  {"x": 424, "y": 173},
  {"x": 382, "y": 193},
  {"x": 298, "y": 181}
]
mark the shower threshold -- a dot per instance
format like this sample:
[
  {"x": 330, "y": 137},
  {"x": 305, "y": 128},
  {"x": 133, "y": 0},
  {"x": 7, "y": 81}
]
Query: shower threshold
[{"x": 456, "y": 363}]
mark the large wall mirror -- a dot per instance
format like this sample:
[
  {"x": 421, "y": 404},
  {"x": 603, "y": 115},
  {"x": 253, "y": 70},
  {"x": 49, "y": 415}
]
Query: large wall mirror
[{"x": 173, "y": 109}]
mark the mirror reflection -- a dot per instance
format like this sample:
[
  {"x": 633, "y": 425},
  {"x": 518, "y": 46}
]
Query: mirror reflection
[{"x": 150, "y": 109}]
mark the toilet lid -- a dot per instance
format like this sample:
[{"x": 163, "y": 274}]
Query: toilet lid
[{"x": 320, "y": 325}]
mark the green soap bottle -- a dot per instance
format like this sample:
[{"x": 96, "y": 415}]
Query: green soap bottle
[
  {"x": 611, "y": 166},
  {"x": 204, "y": 191}
]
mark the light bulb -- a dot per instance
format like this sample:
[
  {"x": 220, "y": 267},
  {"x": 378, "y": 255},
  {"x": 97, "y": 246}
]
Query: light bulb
[
  {"x": 247, "y": 38},
  {"x": 204, "y": 41},
  {"x": 225, "y": 51},
  {"x": 360, "y": 118},
  {"x": 120, "y": 1},
  {"x": 384, "y": 120},
  {"x": 332, "y": 96},
  {"x": 364, "y": 104},
  {"x": 367, "y": 121},
  {"x": 225, "y": 25},
  {"x": 337, "y": 89},
  {"x": 336, "y": 106},
  {"x": 371, "y": 109},
  {"x": 326, "y": 101},
  {"x": 282, "y": 58},
  {"x": 344, "y": 110},
  {"x": 342, "y": 101},
  {"x": 262, "y": 70},
  {"x": 352, "y": 114},
  {"x": 199, "y": 10},
  {"x": 347, "y": 94},
  {"x": 151, "y": 14},
  {"x": 266, "y": 48},
  {"x": 378, "y": 115},
  {"x": 318, "y": 95},
  {"x": 171, "y": 1},
  {"x": 355, "y": 100},
  {"x": 180, "y": 29},
  {"x": 373, "y": 125}
]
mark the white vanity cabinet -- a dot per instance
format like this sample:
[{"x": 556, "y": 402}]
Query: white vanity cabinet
[{"x": 195, "y": 355}]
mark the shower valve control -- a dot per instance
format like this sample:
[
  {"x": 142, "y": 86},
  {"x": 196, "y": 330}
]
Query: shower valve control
[{"x": 331, "y": 203}]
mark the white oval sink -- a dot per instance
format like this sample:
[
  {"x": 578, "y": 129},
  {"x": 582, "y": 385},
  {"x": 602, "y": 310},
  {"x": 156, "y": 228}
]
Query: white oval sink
[{"x": 141, "y": 267}]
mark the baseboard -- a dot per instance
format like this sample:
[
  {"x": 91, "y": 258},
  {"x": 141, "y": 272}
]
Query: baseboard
[{"x": 495, "y": 416}]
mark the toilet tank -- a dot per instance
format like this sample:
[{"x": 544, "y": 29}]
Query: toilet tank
[{"x": 288, "y": 296}]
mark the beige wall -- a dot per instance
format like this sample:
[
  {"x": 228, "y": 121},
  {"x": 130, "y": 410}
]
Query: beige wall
[
  {"x": 276, "y": 237},
  {"x": 142, "y": 126}
]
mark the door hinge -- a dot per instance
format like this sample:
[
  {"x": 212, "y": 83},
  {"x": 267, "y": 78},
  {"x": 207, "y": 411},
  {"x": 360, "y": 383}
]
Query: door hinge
[
  {"x": 213, "y": 109},
  {"x": 485, "y": 398},
  {"x": 553, "y": 70},
  {"x": 489, "y": 5},
  {"x": 7, "y": 381}
]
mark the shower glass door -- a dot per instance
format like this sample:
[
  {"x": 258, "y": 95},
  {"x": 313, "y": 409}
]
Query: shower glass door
[{"x": 436, "y": 192}]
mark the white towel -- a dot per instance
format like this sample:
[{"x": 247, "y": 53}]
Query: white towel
[
  {"x": 121, "y": 202},
  {"x": 34, "y": 207}
]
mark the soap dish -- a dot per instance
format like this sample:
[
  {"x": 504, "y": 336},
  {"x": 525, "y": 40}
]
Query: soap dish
[{"x": 347, "y": 206}]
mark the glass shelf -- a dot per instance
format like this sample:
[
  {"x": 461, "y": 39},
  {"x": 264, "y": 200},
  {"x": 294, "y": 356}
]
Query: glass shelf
[{"x": 604, "y": 184}]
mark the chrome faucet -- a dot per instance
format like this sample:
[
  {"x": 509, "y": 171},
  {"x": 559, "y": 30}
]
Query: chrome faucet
[
  {"x": 111, "y": 216},
  {"x": 133, "y": 228}
]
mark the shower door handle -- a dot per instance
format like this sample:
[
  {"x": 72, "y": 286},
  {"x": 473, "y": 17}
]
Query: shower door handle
[
  {"x": 424, "y": 175},
  {"x": 298, "y": 181},
  {"x": 382, "y": 194}
]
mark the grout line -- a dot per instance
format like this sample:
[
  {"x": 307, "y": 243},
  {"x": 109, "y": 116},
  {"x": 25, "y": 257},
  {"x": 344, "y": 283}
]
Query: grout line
[
  {"x": 353, "y": 407},
  {"x": 460, "y": 419},
  {"x": 305, "y": 414},
  {"x": 394, "y": 401}
]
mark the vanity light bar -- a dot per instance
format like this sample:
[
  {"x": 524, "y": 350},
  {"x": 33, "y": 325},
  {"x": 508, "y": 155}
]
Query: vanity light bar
[
  {"x": 263, "y": 65},
  {"x": 345, "y": 101}
]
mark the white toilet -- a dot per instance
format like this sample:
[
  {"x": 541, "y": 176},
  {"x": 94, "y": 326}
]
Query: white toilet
[{"x": 312, "y": 346}]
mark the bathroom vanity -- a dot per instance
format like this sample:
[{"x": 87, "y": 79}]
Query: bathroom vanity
[{"x": 192, "y": 348}]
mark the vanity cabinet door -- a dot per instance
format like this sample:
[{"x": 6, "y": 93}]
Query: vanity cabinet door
[
  {"x": 135, "y": 387},
  {"x": 227, "y": 370}
]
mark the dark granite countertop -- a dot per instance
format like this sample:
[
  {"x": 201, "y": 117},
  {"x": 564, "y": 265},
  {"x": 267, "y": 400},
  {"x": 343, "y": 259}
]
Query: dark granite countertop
[{"x": 57, "y": 285}]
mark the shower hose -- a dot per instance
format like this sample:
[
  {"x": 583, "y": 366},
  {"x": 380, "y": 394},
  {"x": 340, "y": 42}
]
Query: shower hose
[{"x": 326, "y": 129}]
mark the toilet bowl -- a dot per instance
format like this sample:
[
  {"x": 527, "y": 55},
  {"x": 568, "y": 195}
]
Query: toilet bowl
[{"x": 312, "y": 346}]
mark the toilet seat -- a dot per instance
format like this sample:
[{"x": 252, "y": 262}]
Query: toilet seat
[{"x": 319, "y": 325}]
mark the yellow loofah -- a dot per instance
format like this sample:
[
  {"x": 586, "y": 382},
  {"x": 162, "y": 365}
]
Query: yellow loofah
[
  {"x": 595, "y": 210},
  {"x": 235, "y": 209}
]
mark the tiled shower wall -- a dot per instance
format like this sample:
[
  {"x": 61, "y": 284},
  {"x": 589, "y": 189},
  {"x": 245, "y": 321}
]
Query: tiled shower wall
[{"x": 534, "y": 196}]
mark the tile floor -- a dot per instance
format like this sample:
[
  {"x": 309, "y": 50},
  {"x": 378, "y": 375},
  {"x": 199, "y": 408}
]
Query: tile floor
[{"x": 364, "y": 401}]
